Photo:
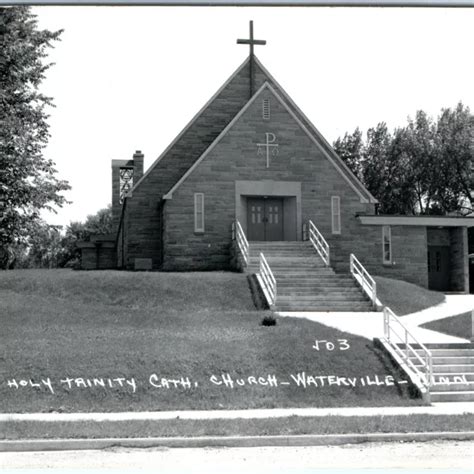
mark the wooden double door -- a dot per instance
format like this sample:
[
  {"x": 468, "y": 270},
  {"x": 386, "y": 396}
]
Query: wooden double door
[
  {"x": 438, "y": 267},
  {"x": 265, "y": 219}
]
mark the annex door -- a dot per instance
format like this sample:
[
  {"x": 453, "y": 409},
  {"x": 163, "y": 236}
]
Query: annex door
[
  {"x": 438, "y": 267},
  {"x": 265, "y": 219}
]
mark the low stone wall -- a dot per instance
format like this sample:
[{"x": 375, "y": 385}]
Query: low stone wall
[{"x": 98, "y": 256}]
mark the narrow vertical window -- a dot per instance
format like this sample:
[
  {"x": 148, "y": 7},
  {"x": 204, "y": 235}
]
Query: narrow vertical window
[
  {"x": 266, "y": 109},
  {"x": 198, "y": 212},
  {"x": 336, "y": 214},
  {"x": 387, "y": 244}
]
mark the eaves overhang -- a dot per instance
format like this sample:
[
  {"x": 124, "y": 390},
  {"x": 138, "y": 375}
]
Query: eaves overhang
[{"x": 426, "y": 221}]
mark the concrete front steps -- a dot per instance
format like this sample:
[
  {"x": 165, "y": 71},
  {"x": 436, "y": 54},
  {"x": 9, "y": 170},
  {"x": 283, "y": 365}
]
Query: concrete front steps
[
  {"x": 453, "y": 372},
  {"x": 304, "y": 283}
]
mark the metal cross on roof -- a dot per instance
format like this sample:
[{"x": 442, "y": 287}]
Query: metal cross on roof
[{"x": 251, "y": 41}]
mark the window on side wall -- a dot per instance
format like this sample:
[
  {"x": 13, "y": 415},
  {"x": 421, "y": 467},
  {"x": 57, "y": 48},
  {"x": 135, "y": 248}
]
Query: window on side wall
[
  {"x": 387, "y": 244},
  {"x": 198, "y": 212},
  {"x": 336, "y": 214}
]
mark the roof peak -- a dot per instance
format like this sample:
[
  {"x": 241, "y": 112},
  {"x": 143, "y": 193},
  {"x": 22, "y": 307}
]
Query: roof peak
[{"x": 251, "y": 42}]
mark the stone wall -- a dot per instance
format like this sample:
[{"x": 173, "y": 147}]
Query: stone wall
[
  {"x": 107, "y": 258},
  {"x": 260, "y": 78},
  {"x": 120, "y": 248},
  {"x": 144, "y": 217},
  {"x": 299, "y": 160},
  {"x": 409, "y": 253},
  {"x": 235, "y": 158},
  {"x": 459, "y": 277},
  {"x": 439, "y": 237},
  {"x": 471, "y": 275},
  {"x": 98, "y": 257},
  {"x": 145, "y": 220},
  {"x": 89, "y": 258}
]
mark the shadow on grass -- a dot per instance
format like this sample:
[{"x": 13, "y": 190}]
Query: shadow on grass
[
  {"x": 408, "y": 390},
  {"x": 457, "y": 326},
  {"x": 405, "y": 298}
]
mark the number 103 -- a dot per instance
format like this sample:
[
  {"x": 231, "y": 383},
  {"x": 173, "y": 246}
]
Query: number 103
[{"x": 340, "y": 344}]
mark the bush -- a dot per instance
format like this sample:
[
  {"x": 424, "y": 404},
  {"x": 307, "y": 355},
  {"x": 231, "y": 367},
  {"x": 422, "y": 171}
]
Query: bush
[{"x": 269, "y": 321}]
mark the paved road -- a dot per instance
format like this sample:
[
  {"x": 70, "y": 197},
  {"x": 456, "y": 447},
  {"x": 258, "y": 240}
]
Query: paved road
[{"x": 439, "y": 454}]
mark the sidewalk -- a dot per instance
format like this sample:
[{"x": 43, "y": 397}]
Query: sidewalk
[
  {"x": 451, "y": 408},
  {"x": 370, "y": 325},
  {"x": 452, "y": 306}
]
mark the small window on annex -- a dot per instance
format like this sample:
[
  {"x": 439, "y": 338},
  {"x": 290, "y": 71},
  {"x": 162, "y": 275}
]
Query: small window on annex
[
  {"x": 336, "y": 214},
  {"x": 387, "y": 244},
  {"x": 198, "y": 212}
]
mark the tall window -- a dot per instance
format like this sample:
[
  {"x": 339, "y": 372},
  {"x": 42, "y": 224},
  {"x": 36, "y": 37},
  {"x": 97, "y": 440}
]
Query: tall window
[
  {"x": 266, "y": 109},
  {"x": 198, "y": 212},
  {"x": 336, "y": 214},
  {"x": 387, "y": 244}
]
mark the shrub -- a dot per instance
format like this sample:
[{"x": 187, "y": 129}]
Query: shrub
[{"x": 269, "y": 320}]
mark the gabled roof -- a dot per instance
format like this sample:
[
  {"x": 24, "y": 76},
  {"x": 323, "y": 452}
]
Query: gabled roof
[
  {"x": 183, "y": 163},
  {"x": 358, "y": 189},
  {"x": 318, "y": 136}
]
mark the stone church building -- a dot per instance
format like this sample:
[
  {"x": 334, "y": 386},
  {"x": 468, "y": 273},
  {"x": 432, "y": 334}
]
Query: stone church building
[{"x": 251, "y": 155}]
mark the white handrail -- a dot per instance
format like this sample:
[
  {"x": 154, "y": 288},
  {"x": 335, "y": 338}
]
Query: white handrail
[
  {"x": 267, "y": 281},
  {"x": 425, "y": 375},
  {"x": 364, "y": 279},
  {"x": 319, "y": 242},
  {"x": 242, "y": 242}
]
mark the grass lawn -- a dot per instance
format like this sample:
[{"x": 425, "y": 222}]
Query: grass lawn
[
  {"x": 115, "y": 341},
  {"x": 293, "y": 425},
  {"x": 459, "y": 326},
  {"x": 405, "y": 298}
]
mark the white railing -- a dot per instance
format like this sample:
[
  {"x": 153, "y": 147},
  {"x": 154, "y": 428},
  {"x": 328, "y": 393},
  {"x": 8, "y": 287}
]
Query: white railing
[
  {"x": 267, "y": 281},
  {"x": 242, "y": 242},
  {"x": 319, "y": 242},
  {"x": 364, "y": 279},
  {"x": 395, "y": 334}
]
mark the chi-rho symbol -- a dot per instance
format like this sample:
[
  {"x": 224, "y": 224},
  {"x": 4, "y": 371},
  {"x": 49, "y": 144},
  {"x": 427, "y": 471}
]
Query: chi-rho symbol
[{"x": 269, "y": 144}]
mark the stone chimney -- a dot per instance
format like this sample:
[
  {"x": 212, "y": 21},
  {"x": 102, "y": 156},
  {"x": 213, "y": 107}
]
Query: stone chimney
[
  {"x": 138, "y": 158},
  {"x": 125, "y": 174}
]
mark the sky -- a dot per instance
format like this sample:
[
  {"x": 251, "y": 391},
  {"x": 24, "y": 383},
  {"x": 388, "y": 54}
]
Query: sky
[{"x": 131, "y": 78}]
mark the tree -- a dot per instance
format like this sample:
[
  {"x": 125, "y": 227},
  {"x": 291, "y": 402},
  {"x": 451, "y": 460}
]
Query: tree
[
  {"x": 375, "y": 172},
  {"x": 399, "y": 195},
  {"x": 99, "y": 223},
  {"x": 27, "y": 179},
  {"x": 454, "y": 160},
  {"x": 420, "y": 150},
  {"x": 351, "y": 149},
  {"x": 423, "y": 168},
  {"x": 45, "y": 246}
]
